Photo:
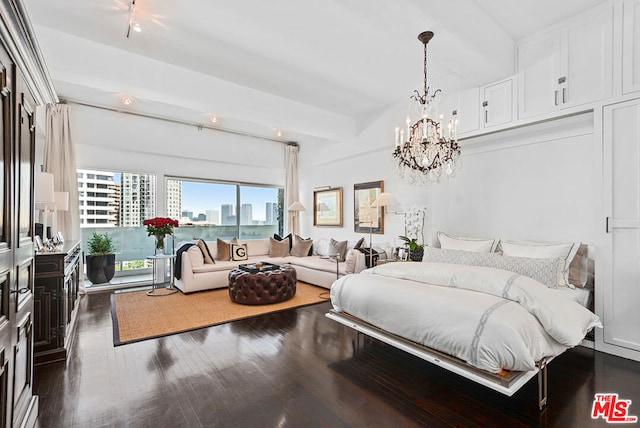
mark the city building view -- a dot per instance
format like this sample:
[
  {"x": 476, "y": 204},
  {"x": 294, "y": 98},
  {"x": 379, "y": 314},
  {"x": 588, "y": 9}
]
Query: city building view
[{"x": 117, "y": 203}]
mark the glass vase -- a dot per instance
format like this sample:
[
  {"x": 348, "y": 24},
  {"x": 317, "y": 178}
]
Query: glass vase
[{"x": 159, "y": 245}]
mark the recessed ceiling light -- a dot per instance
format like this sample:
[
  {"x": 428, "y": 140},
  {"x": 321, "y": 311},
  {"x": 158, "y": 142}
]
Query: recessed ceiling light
[
  {"x": 214, "y": 118},
  {"x": 127, "y": 99},
  {"x": 279, "y": 132},
  {"x": 136, "y": 27}
]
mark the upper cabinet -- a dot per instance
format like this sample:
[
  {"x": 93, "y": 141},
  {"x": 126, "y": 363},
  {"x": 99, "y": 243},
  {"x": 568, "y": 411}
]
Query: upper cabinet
[
  {"x": 566, "y": 66},
  {"x": 459, "y": 100},
  {"x": 497, "y": 104},
  {"x": 631, "y": 47}
]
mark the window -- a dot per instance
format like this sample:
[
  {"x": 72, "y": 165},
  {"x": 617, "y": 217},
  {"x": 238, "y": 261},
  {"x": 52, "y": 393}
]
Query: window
[{"x": 210, "y": 210}]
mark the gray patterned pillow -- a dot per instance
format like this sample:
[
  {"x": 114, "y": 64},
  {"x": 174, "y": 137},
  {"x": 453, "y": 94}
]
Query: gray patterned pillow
[{"x": 544, "y": 271}]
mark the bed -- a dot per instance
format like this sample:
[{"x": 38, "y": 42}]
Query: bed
[{"x": 494, "y": 326}]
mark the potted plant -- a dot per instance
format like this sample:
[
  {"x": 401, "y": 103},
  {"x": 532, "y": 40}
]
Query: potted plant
[
  {"x": 101, "y": 260},
  {"x": 416, "y": 251}
]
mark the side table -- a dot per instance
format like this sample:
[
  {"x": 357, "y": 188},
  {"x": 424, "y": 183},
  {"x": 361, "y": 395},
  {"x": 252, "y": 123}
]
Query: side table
[{"x": 157, "y": 287}]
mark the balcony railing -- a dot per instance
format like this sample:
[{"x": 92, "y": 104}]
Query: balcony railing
[{"x": 133, "y": 245}]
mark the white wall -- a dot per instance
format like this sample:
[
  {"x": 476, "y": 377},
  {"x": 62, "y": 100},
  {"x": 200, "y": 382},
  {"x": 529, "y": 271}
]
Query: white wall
[
  {"x": 122, "y": 142},
  {"x": 537, "y": 182}
]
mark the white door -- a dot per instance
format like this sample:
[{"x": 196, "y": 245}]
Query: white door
[{"x": 621, "y": 289}]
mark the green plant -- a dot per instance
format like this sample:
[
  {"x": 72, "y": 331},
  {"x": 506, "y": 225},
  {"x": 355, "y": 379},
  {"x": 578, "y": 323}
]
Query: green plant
[
  {"x": 100, "y": 244},
  {"x": 412, "y": 243}
]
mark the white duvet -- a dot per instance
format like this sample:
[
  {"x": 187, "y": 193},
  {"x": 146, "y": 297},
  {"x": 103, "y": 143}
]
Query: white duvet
[{"x": 491, "y": 318}]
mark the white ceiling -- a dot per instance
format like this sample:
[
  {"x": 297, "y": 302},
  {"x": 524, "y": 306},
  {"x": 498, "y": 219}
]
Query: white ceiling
[{"x": 317, "y": 69}]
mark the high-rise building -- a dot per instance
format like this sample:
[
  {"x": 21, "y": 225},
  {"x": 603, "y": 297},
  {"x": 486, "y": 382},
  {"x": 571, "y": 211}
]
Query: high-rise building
[
  {"x": 201, "y": 217},
  {"x": 174, "y": 199},
  {"x": 188, "y": 214},
  {"x": 213, "y": 216},
  {"x": 227, "y": 215},
  {"x": 137, "y": 198},
  {"x": 271, "y": 213},
  {"x": 97, "y": 194},
  {"x": 246, "y": 214}
]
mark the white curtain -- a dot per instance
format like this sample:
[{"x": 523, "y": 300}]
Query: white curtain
[
  {"x": 291, "y": 187},
  {"x": 60, "y": 160}
]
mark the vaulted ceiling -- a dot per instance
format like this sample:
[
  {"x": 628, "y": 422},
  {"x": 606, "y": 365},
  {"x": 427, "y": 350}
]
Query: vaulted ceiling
[{"x": 318, "y": 70}]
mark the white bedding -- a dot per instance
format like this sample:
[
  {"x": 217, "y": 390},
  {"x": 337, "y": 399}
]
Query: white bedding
[{"x": 491, "y": 318}]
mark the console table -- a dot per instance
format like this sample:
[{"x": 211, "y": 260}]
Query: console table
[{"x": 55, "y": 300}]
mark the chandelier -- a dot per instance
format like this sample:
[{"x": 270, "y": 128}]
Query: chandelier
[{"x": 429, "y": 151}]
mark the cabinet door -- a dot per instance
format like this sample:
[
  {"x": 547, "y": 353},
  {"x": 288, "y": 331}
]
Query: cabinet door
[
  {"x": 497, "y": 103},
  {"x": 621, "y": 292},
  {"x": 631, "y": 47},
  {"x": 587, "y": 58},
  {"x": 468, "y": 112},
  {"x": 538, "y": 72}
]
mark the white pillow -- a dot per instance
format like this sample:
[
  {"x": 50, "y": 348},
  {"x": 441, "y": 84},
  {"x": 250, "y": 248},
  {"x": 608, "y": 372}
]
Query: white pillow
[
  {"x": 195, "y": 256},
  {"x": 465, "y": 244},
  {"x": 566, "y": 252},
  {"x": 350, "y": 261}
]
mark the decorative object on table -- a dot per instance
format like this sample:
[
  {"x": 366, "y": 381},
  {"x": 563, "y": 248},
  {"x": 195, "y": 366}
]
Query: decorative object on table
[
  {"x": 414, "y": 232},
  {"x": 428, "y": 149},
  {"x": 295, "y": 208},
  {"x": 160, "y": 227},
  {"x": 258, "y": 267},
  {"x": 44, "y": 199},
  {"x": 327, "y": 207},
  {"x": 101, "y": 260},
  {"x": 367, "y": 219}
]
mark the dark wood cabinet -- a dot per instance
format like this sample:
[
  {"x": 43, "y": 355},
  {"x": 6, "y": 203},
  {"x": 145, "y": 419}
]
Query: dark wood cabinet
[{"x": 55, "y": 302}]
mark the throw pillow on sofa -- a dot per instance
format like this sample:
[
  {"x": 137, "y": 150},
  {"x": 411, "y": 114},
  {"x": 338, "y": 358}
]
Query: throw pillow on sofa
[
  {"x": 337, "y": 247},
  {"x": 287, "y": 238},
  {"x": 239, "y": 252},
  {"x": 301, "y": 246},
  {"x": 195, "y": 256},
  {"x": 205, "y": 252},
  {"x": 278, "y": 248},
  {"x": 224, "y": 249}
]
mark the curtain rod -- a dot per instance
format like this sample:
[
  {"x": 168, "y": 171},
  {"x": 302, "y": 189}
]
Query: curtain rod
[{"x": 200, "y": 126}]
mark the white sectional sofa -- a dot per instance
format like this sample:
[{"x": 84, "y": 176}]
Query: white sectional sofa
[{"x": 195, "y": 275}]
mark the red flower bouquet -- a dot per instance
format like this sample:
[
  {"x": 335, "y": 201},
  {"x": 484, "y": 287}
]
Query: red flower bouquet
[{"x": 160, "y": 226}]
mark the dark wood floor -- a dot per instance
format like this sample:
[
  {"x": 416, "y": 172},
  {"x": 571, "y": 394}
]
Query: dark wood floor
[{"x": 297, "y": 369}]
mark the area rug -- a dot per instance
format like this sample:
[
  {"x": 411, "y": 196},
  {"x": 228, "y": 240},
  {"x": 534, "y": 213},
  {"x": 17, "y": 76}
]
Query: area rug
[{"x": 137, "y": 316}]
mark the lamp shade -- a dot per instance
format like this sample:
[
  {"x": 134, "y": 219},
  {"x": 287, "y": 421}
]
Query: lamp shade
[
  {"x": 62, "y": 201},
  {"x": 297, "y": 206},
  {"x": 44, "y": 194},
  {"x": 385, "y": 199}
]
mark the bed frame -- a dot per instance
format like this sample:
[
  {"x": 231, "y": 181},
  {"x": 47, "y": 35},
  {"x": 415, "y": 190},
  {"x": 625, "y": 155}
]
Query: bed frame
[{"x": 507, "y": 383}]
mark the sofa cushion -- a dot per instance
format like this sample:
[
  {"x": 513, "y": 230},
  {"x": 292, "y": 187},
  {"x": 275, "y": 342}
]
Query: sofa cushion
[
  {"x": 320, "y": 263},
  {"x": 338, "y": 247},
  {"x": 301, "y": 246},
  {"x": 239, "y": 252},
  {"x": 204, "y": 249},
  {"x": 224, "y": 249},
  {"x": 287, "y": 238},
  {"x": 257, "y": 247},
  {"x": 321, "y": 248},
  {"x": 195, "y": 256},
  {"x": 278, "y": 248}
]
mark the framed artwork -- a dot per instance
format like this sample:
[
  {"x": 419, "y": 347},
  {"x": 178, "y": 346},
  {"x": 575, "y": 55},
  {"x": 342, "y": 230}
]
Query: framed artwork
[
  {"x": 365, "y": 217},
  {"x": 327, "y": 207}
]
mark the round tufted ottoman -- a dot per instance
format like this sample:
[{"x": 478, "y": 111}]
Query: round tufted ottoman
[{"x": 262, "y": 288}]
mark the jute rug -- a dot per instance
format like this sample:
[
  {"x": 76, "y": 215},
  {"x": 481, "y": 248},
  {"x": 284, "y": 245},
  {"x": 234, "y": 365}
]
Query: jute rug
[{"x": 137, "y": 316}]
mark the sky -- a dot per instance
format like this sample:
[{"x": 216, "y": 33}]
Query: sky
[{"x": 199, "y": 197}]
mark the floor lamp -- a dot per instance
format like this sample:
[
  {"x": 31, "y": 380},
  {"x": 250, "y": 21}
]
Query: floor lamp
[
  {"x": 295, "y": 208},
  {"x": 383, "y": 200}
]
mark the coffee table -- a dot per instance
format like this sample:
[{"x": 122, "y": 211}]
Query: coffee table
[{"x": 262, "y": 287}]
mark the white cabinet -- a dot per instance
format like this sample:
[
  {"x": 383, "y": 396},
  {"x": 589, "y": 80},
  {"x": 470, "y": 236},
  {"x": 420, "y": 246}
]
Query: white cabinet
[
  {"x": 538, "y": 71},
  {"x": 631, "y": 47},
  {"x": 619, "y": 291},
  {"x": 497, "y": 104},
  {"x": 567, "y": 66},
  {"x": 459, "y": 101}
]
